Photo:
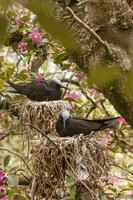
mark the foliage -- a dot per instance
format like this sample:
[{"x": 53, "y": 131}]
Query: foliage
[{"x": 22, "y": 59}]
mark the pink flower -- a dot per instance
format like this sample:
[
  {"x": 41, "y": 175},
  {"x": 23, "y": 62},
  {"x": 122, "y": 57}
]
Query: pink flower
[
  {"x": 2, "y": 132},
  {"x": 26, "y": 68},
  {"x": 73, "y": 95},
  {"x": 2, "y": 191},
  {"x": 104, "y": 142},
  {"x": 3, "y": 178},
  {"x": 4, "y": 198},
  {"x": 19, "y": 21},
  {"x": 130, "y": 193},
  {"x": 22, "y": 47},
  {"x": 79, "y": 76},
  {"x": 37, "y": 37},
  {"x": 40, "y": 78},
  {"x": 113, "y": 180},
  {"x": 95, "y": 93},
  {"x": 122, "y": 120}
]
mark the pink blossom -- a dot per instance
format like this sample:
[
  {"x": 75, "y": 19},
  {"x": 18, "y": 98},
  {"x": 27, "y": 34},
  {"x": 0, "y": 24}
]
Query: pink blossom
[
  {"x": 104, "y": 142},
  {"x": 95, "y": 93},
  {"x": 79, "y": 76},
  {"x": 130, "y": 193},
  {"x": 113, "y": 180},
  {"x": 73, "y": 95},
  {"x": 22, "y": 46},
  {"x": 3, "y": 177},
  {"x": 19, "y": 21},
  {"x": 4, "y": 198},
  {"x": 2, "y": 132},
  {"x": 37, "y": 37},
  {"x": 40, "y": 78},
  {"x": 2, "y": 191},
  {"x": 26, "y": 68},
  {"x": 122, "y": 120}
]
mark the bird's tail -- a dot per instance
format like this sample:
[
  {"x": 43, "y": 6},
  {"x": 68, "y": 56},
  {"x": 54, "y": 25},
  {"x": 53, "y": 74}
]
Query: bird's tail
[
  {"x": 112, "y": 122},
  {"x": 15, "y": 88}
]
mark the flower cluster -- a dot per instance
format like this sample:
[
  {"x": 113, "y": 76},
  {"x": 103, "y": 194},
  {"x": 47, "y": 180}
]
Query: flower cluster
[
  {"x": 104, "y": 142},
  {"x": 95, "y": 93},
  {"x": 3, "y": 178},
  {"x": 22, "y": 47},
  {"x": 19, "y": 21},
  {"x": 113, "y": 180},
  {"x": 80, "y": 76},
  {"x": 3, "y": 181},
  {"x": 122, "y": 120},
  {"x": 40, "y": 78},
  {"x": 73, "y": 95},
  {"x": 36, "y": 36}
]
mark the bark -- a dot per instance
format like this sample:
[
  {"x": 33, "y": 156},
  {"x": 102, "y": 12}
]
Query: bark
[{"x": 113, "y": 21}]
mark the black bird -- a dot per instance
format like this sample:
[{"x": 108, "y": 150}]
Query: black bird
[
  {"x": 70, "y": 2},
  {"x": 39, "y": 90},
  {"x": 67, "y": 125}
]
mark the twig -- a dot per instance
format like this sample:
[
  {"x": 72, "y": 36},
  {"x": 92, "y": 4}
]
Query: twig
[
  {"x": 19, "y": 156},
  {"x": 43, "y": 134},
  {"x": 115, "y": 165},
  {"x": 4, "y": 136},
  {"x": 82, "y": 90},
  {"x": 90, "y": 30},
  {"x": 33, "y": 189},
  {"x": 69, "y": 81}
]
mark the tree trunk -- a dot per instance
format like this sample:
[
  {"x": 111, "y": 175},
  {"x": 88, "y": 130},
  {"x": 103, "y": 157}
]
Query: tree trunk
[{"x": 113, "y": 21}]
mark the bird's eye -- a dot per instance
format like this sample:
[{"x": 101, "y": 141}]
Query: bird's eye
[{"x": 57, "y": 85}]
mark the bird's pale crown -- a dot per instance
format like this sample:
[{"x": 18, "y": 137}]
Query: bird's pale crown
[{"x": 65, "y": 115}]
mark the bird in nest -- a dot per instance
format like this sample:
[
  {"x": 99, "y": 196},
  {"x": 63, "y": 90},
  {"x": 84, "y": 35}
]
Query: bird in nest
[
  {"x": 68, "y": 125},
  {"x": 39, "y": 89}
]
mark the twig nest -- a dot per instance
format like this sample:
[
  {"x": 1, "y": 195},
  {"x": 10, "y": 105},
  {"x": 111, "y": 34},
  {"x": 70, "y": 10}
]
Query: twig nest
[
  {"x": 66, "y": 162},
  {"x": 42, "y": 115}
]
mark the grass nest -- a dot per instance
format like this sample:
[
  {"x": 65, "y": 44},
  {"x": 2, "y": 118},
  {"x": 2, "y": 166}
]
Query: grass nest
[
  {"x": 67, "y": 166},
  {"x": 42, "y": 115}
]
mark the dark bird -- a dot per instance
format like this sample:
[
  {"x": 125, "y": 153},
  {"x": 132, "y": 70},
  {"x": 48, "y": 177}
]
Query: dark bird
[
  {"x": 39, "y": 90},
  {"x": 70, "y": 2},
  {"x": 67, "y": 125}
]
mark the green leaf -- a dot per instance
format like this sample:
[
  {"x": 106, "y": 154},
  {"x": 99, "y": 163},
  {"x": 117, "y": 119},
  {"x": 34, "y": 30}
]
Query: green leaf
[
  {"x": 14, "y": 169},
  {"x": 13, "y": 180},
  {"x": 114, "y": 189},
  {"x": 11, "y": 194},
  {"x": 3, "y": 32},
  {"x": 73, "y": 191},
  {"x": 6, "y": 160},
  {"x": 61, "y": 57}
]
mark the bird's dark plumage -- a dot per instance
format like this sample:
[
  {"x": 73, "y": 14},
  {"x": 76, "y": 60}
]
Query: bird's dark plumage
[
  {"x": 70, "y": 126},
  {"x": 39, "y": 90}
]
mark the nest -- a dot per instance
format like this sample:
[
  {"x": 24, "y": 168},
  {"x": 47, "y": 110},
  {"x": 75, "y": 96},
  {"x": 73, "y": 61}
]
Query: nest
[
  {"x": 61, "y": 163},
  {"x": 42, "y": 115}
]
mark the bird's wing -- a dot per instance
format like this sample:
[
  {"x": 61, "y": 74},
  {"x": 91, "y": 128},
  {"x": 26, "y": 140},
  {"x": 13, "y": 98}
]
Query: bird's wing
[
  {"x": 17, "y": 88},
  {"x": 81, "y": 125},
  {"x": 39, "y": 87},
  {"x": 93, "y": 125}
]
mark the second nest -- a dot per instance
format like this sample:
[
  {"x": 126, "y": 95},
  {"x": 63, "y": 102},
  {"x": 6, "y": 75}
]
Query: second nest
[{"x": 64, "y": 163}]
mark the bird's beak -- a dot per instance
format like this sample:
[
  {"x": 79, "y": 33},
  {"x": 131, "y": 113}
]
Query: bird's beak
[
  {"x": 64, "y": 124},
  {"x": 66, "y": 88}
]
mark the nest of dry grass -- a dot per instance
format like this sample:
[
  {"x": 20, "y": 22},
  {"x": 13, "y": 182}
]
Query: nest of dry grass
[
  {"x": 65, "y": 162},
  {"x": 42, "y": 115}
]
